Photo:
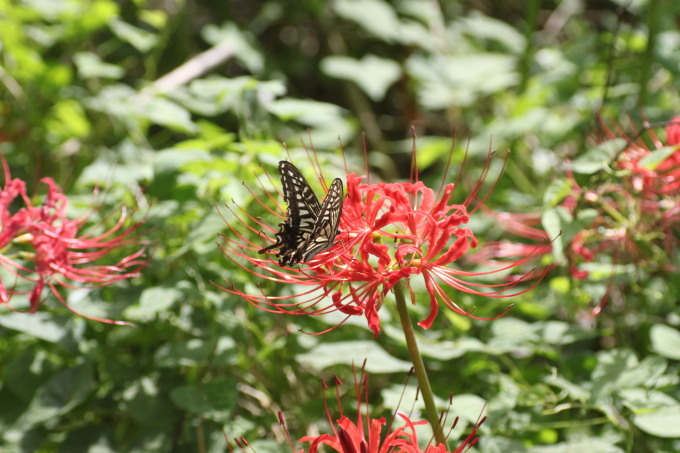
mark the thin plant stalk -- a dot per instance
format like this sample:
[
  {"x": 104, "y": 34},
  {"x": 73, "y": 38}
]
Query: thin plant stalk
[{"x": 418, "y": 365}]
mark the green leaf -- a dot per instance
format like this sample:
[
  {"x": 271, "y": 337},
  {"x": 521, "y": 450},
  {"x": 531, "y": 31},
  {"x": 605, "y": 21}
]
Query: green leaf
[
  {"x": 374, "y": 75},
  {"x": 484, "y": 27},
  {"x": 39, "y": 325},
  {"x": 353, "y": 352},
  {"x": 245, "y": 47},
  {"x": 446, "y": 80},
  {"x": 140, "y": 39},
  {"x": 620, "y": 369},
  {"x": 655, "y": 412},
  {"x": 395, "y": 396},
  {"x": 311, "y": 113},
  {"x": 375, "y": 16},
  {"x": 551, "y": 219},
  {"x": 598, "y": 158},
  {"x": 167, "y": 113},
  {"x": 172, "y": 159},
  {"x": 152, "y": 302},
  {"x": 144, "y": 403},
  {"x": 68, "y": 119},
  {"x": 60, "y": 394},
  {"x": 590, "y": 445},
  {"x": 188, "y": 353},
  {"x": 90, "y": 65},
  {"x": 654, "y": 158},
  {"x": 665, "y": 341},
  {"x": 556, "y": 191},
  {"x": 215, "y": 400}
]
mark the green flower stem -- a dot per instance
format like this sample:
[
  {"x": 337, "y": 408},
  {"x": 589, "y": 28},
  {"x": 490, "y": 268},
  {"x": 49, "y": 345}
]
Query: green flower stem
[{"x": 421, "y": 373}]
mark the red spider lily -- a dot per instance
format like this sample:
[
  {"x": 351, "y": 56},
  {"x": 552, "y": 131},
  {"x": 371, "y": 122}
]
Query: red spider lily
[
  {"x": 637, "y": 214},
  {"x": 40, "y": 246},
  {"x": 496, "y": 253},
  {"x": 366, "y": 434},
  {"x": 662, "y": 179},
  {"x": 389, "y": 232},
  {"x": 641, "y": 208}
]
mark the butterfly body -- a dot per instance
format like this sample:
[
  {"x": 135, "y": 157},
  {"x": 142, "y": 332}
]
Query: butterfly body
[{"x": 310, "y": 227}]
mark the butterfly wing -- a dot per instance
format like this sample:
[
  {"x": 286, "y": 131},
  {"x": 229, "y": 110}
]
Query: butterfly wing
[
  {"x": 303, "y": 206},
  {"x": 326, "y": 225},
  {"x": 301, "y": 213}
]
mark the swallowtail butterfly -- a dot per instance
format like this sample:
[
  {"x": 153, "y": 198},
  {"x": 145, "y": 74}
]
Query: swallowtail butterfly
[{"x": 310, "y": 226}]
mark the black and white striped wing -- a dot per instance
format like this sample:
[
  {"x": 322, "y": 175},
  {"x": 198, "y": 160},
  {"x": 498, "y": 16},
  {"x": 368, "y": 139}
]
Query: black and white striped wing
[
  {"x": 302, "y": 210},
  {"x": 302, "y": 205},
  {"x": 326, "y": 227}
]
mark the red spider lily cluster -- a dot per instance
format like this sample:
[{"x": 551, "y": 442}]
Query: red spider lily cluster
[
  {"x": 637, "y": 210},
  {"x": 390, "y": 232},
  {"x": 366, "y": 434},
  {"x": 652, "y": 179},
  {"x": 40, "y": 247}
]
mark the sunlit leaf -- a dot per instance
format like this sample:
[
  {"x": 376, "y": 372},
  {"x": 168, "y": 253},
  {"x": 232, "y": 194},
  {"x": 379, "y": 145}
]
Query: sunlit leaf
[
  {"x": 655, "y": 157},
  {"x": 665, "y": 341},
  {"x": 140, "y": 39},
  {"x": 598, "y": 158},
  {"x": 375, "y": 16},
  {"x": 372, "y": 74},
  {"x": 353, "y": 352},
  {"x": 90, "y": 65}
]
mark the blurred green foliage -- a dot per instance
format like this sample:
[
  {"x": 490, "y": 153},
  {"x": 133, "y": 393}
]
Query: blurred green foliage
[{"x": 106, "y": 94}]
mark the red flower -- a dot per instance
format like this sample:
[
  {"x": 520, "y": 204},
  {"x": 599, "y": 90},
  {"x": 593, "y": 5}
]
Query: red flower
[
  {"x": 366, "y": 434},
  {"x": 40, "y": 246},
  {"x": 389, "y": 232},
  {"x": 639, "y": 208},
  {"x": 663, "y": 178},
  {"x": 634, "y": 214}
]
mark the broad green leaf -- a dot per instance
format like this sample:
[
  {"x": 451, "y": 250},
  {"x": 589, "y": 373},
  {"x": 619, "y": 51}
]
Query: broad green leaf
[
  {"x": 447, "y": 350},
  {"x": 552, "y": 220},
  {"x": 39, "y": 325},
  {"x": 598, "y": 158},
  {"x": 460, "y": 80},
  {"x": 90, "y": 65},
  {"x": 375, "y": 16},
  {"x": 215, "y": 400},
  {"x": 654, "y": 158},
  {"x": 575, "y": 391},
  {"x": 353, "y": 352},
  {"x": 590, "y": 445},
  {"x": 619, "y": 369},
  {"x": 556, "y": 191},
  {"x": 60, "y": 394},
  {"x": 244, "y": 46},
  {"x": 188, "y": 353},
  {"x": 68, "y": 119},
  {"x": 484, "y": 27},
  {"x": 26, "y": 371},
  {"x": 145, "y": 403},
  {"x": 140, "y": 39},
  {"x": 655, "y": 412},
  {"x": 374, "y": 75},
  {"x": 665, "y": 341},
  {"x": 152, "y": 302},
  {"x": 167, "y": 113},
  {"x": 513, "y": 330},
  {"x": 172, "y": 159},
  {"x": 311, "y": 113},
  {"x": 398, "y": 396}
]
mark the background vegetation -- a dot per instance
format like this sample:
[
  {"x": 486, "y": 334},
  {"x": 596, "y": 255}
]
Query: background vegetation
[{"x": 98, "y": 94}]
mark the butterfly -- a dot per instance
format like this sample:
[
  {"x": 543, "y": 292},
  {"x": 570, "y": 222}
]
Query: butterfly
[{"x": 310, "y": 226}]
